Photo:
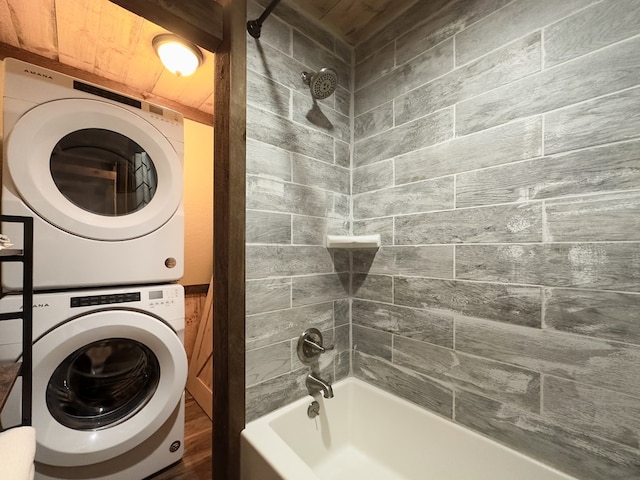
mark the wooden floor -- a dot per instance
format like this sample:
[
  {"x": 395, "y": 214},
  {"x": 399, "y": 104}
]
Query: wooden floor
[{"x": 196, "y": 462}]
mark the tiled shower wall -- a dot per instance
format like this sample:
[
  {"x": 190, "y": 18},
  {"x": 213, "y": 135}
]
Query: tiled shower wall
[
  {"x": 497, "y": 151},
  {"x": 298, "y": 189}
]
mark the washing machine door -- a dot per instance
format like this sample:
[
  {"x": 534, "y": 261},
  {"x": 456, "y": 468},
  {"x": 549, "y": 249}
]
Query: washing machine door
[
  {"x": 94, "y": 169},
  {"x": 103, "y": 383}
]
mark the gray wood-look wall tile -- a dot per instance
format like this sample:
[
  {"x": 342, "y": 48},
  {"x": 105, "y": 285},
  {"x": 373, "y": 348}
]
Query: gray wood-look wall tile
[
  {"x": 510, "y": 63},
  {"x": 267, "y": 227},
  {"x": 608, "y": 315},
  {"x": 267, "y": 295},
  {"x": 512, "y": 304},
  {"x": 611, "y": 365},
  {"x": 308, "y": 112},
  {"x": 429, "y": 130},
  {"x": 509, "y": 23},
  {"x": 424, "y": 196},
  {"x": 604, "y": 120},
  {"x": 427, "y": 66},
  {"x": 587, "y": 458},
  {"x": 589, "y": 349},
  {"x": 603, "y": 266},
  {"x": 496, "y": 380},
  {"x": 275, "y": 195},
  {"x": 313, "y": 230},
  {"x": 274, "y": 327},
  {"x": 283, "y": 261},
  {"x": 319, "y": 288},
  {"x": 341, "y": 206},
  {"x": 495, "y": 224},
  {"x": 593, "y": 410},
  {"x": 342, "y": 153},
  {"x": 290, "y": 15},
  {"x": 404, "y": 382},
  {"x": 453, "y": 17},
  {"x": 268, "y": 161},
  {"x": 429, "y": 261},
  {"x": 315, "y": 57},
  {"x": 606, "y": 71},
  {"x": 372, "y": 287},
  {"x": 342, "y": 262},
  {"x": 372, "y": 177},
  {"x": 344, "y": 51},
  {"x": 372, "y": 342},
  {"x": 342, "y": 98},
  {"x": 342, "y": 358},
  {"x": 342, "y": 313},
  {"x": 264, "y": 93},
  {"x": 558, "y": 175},
  {"x": 508, "y": 143},
  {"x": 267, "y": 362},
  {"x": 375, "y": 66},
  {"x": 274, "y": 32},
  {"x": 269, "y": 395},
  {"x": 609, "y": 217},
  {"x": 383, "y": 226},
  {"x": 283, "y": 133},
  {"x": 270, "y": 62},
  {"x": 309, "y": 230},
  {"x": 417, "y": 14},
  {"x": 590, "y": 29},
  {"x": 423, "y": 325},
  {"x": 373, "y": 122},
  {"x": 314, "y": 173}
]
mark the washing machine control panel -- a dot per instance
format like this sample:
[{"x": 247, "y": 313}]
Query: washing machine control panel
[
  {"x": 147, "y": 298},
  {"x": 92, "y": 300},
  {"x": 165, "y": 297}
]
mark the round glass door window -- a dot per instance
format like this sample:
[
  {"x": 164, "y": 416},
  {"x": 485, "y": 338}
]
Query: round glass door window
[
  {"x": 103, "y": 172},
  {"x": 102, "y": 384}
]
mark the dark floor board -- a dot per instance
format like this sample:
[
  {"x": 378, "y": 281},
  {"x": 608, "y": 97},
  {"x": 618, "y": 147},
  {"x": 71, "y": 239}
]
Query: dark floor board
[{"x": 196, "y": 462}]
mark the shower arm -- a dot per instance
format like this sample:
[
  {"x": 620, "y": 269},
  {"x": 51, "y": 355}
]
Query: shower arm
[{"x": 254, "y": 27}]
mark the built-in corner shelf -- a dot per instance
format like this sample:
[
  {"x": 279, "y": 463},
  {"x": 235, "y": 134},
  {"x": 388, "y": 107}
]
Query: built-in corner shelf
[{"x": 353, "y": 241}]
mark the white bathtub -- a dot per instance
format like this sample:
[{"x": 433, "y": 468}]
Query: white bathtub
[{"x": 366, "y": 433}]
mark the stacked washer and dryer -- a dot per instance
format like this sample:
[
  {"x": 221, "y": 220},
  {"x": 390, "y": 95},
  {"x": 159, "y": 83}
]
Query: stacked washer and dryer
[{"x": 101, "y": 175}]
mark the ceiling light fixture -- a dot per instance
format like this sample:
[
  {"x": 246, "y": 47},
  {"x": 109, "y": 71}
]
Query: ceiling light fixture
[{"x": 180, "y": 57}]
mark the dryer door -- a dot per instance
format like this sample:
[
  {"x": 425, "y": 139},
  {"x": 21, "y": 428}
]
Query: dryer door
[
  {"x": 94, "y": 169},
  {"x": 103, "y": 383}
]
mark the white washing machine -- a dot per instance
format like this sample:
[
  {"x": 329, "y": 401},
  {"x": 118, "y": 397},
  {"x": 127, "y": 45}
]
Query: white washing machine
[
  {"x": 109, "y": 371},
  {"x": 101, "y": 173}
]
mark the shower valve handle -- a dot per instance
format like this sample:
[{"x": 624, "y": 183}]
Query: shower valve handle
[
  {"x": 310, "y": 346},
  {"x": 316, "y": 346}
]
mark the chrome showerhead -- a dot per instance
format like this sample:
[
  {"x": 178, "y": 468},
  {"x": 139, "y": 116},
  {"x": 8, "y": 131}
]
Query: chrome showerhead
[{"x": 321, "y": 83}]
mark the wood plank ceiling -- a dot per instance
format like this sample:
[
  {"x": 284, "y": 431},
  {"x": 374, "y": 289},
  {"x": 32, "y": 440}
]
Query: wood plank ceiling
[
  {"x": 352, "y": 20},
  {"x": 102, "y": 43}
]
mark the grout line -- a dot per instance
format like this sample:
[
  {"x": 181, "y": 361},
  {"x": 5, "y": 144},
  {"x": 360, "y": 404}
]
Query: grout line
[
  {"x": 543, "y": 50},
  {"x": 453, "y": 274},
  {"x": 453, "y": 45},
  {"x": 542, "y": 382},
  {"x": 543, "y": 307},
  {"x": 546, "y": 235}
]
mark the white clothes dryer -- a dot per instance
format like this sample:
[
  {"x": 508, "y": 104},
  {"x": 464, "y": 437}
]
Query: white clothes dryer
[
  {"x": 101, "y": 173},
  {"x": 109, "y": 371}
]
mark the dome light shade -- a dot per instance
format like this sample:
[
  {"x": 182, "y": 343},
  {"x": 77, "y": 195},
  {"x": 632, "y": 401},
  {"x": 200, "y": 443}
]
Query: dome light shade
[{"x": 180, "y": 57}]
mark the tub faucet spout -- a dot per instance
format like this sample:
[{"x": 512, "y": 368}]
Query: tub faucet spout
[{"x": 315, "y": 384}]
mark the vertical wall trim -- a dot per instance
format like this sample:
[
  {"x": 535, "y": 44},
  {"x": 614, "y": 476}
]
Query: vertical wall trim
[{"x": 229, "y": 240}]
